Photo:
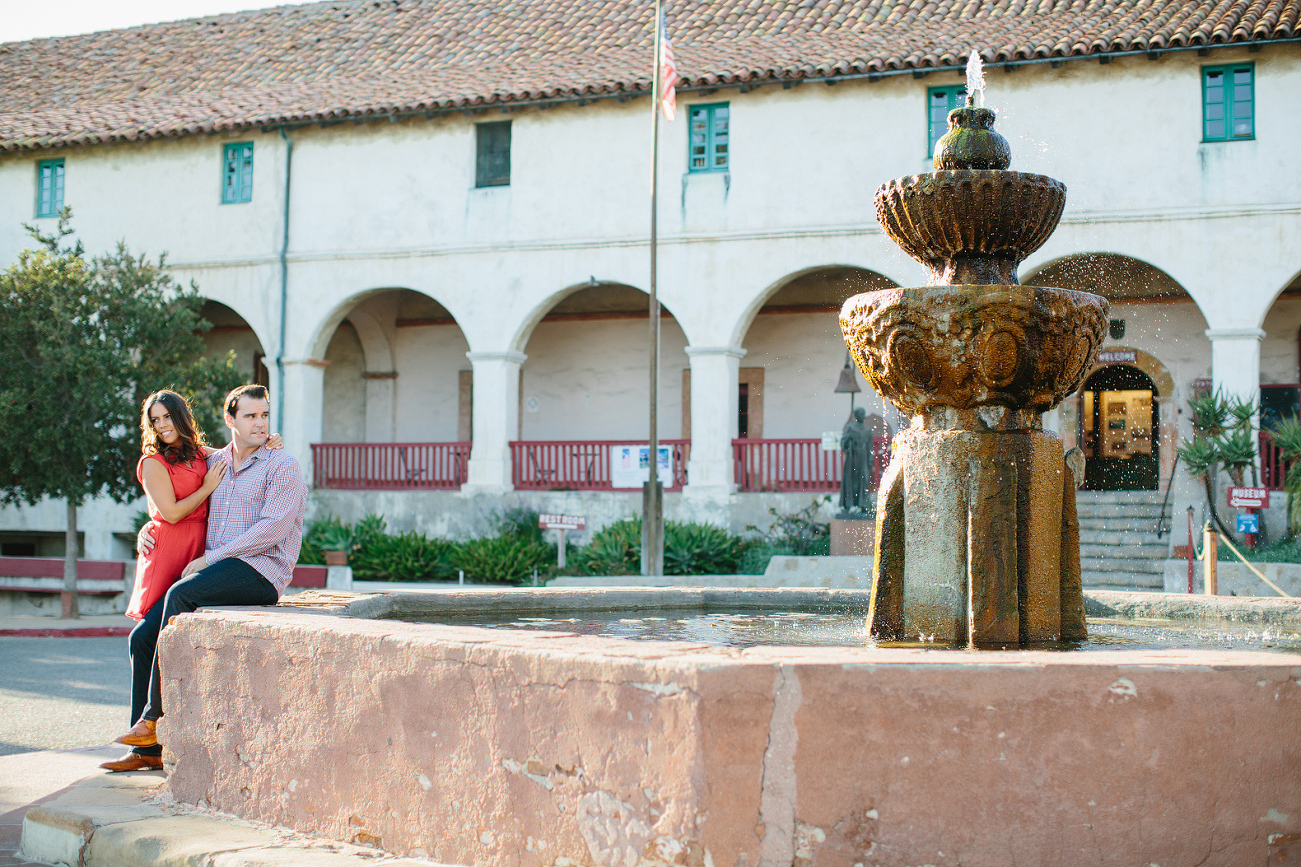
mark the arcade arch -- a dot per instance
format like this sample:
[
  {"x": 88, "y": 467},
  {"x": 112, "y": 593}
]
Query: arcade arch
[
  {"x": 1158, "y": 332},
  {"x": 795, "y": 353},
  {"x": 1280, "y": 356},
  {"x": 586, "y": 374},
  {"x": 396, "y": 371},
  {"x": 231, "y": 332}
]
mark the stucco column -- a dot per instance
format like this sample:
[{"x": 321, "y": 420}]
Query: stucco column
[
  {"x": 1235, "y": 360},
  {"x": 304, "y": 393},
  {"x": 496, "y": 419},
  {"x": 714, "y": 373}
]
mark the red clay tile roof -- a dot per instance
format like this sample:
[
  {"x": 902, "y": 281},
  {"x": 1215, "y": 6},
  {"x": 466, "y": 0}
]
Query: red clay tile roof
[{"x": 357, "y": 58}]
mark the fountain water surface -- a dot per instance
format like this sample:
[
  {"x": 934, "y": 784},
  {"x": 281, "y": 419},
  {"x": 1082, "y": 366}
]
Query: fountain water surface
[{"x": 977, "y": 538}]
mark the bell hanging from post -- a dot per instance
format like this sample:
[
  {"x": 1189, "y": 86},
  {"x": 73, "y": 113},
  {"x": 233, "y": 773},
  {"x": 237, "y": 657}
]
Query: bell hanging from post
[{"x": 848, "y": 383}]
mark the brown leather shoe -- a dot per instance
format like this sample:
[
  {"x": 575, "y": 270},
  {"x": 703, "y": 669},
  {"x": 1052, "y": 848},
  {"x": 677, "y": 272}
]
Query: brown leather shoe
[
  {"x": 134, "y": 762},
  {"x": 142, "y": 734}
]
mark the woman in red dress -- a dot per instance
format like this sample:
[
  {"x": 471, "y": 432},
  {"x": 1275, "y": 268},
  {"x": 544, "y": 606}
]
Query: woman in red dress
[{"x": 174, "y": 473}]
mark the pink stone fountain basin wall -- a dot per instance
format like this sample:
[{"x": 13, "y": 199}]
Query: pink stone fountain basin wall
[{"x": 494, "y": 747}]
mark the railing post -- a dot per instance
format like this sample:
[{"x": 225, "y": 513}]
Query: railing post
[{"x": 1210, "y": 553}]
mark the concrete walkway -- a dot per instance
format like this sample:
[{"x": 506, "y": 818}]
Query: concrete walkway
[{"x": 76, "y": 814}]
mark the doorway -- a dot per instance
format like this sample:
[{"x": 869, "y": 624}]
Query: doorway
[{"x": 1119, "y": 413}]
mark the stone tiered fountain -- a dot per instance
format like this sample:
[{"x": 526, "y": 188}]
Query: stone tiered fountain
[{"x": 977, "y": 537}]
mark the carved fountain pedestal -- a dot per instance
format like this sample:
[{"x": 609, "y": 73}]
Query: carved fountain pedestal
[{"x": 977, "y": 537}]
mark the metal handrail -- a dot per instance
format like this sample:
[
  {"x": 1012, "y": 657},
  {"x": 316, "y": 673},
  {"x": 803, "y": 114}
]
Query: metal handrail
[{"x": 1169, "y": 486}]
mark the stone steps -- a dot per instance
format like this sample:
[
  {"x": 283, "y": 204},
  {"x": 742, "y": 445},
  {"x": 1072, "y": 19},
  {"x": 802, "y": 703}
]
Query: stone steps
[
  {"x": 1106, "y": 536},
  {"x": 1155, "y": 553},
  {"x": 1121, "y": 581},
  {"x": 1119, "y": 548}
]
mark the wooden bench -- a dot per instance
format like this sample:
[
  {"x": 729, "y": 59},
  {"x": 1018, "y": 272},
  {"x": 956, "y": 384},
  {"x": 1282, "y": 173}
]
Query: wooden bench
[
  {"x": 45, "y": 575},
  {"x": 100, "y": 577}
]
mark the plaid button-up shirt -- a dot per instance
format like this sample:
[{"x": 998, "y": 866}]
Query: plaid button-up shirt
[{"x": 256, "y": 513}]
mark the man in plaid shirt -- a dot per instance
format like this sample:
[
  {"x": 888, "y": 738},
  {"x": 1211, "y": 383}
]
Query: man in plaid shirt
[{"x": 255, "y": 529}]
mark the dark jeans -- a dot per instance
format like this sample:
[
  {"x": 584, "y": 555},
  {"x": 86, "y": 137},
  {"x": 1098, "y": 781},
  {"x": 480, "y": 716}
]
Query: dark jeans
[{"x": 230, "y": 582}]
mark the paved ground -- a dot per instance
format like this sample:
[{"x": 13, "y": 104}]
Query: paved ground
[{"x": 62, "y": 693}]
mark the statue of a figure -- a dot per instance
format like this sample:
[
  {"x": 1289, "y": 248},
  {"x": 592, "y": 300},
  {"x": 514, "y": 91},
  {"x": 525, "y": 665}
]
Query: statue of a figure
[{"x": 856, "y": 443}]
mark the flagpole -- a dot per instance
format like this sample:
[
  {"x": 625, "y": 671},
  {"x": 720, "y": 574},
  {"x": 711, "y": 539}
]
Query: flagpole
[{"x": 652, "y": 494}]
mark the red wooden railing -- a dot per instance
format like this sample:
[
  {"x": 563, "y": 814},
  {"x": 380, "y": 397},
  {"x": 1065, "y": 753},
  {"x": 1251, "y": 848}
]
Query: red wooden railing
[
  {"x": 1273, "y": 469},
  {"x": 390, "y": 466},
  {"x": 797, "y": 464},
  {"x": 580, "y": 465}
]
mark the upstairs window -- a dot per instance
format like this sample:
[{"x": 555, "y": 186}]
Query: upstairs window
[
  {"x": 708, "y": 131},
  {"x": 492, "y": 154},
  {"x": 49, "y": 188},
  {"x": 939, "y": 102},
  {"x": 1228, "y": 98},
  {"x": 237, "y": 173}
]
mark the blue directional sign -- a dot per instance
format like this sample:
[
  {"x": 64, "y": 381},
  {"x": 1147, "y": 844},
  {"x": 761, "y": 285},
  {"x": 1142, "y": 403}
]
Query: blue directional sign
[{"x": 1249, "y": 523}]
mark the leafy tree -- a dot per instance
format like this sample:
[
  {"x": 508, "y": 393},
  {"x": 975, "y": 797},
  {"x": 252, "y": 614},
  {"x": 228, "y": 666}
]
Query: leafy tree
[{"x": 82, "y": 343}]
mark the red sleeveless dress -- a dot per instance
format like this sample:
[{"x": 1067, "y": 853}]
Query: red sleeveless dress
[{"x": 175, "y": 545}]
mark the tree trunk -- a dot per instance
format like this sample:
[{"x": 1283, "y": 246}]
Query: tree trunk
[{"x": 69, "y": 595}]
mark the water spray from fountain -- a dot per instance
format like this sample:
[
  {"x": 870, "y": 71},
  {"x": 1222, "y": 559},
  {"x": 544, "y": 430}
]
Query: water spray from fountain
[{"x": 975, "y": 78}]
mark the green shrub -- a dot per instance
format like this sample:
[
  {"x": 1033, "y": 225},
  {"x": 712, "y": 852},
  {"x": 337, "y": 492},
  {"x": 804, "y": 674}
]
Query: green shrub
[
  {"x": 502, "y": 559},
  {"x": 614, "y": 550},
  {"x": 700, "y": 549},
  {"x": 318, "y": 537},
  {"x": 689, "y": 549},
  {"x": 799, "y": 533}
]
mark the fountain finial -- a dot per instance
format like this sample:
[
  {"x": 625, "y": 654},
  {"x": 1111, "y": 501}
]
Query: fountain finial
[{"x": 971, "y": 142}]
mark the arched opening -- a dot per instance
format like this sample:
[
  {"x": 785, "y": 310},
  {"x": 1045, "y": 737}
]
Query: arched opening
[
  {"x": 1280, "y": 376},
  {"x": 1155, "y": 327},
  {"x": 587, "y": 373},
  {"x": 396, "y": 371},
  {"x": 230, "y": 332},
  {"x": 584, "y": 392},
  {"x": 1120, "y": 423},
  {"x": 396, "y": 396},
  {"x": 1111, "y": 275},
  {"x": 795, "y": 354}
]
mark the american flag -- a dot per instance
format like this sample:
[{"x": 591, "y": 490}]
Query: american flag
[{"x": 668, "y": 73}]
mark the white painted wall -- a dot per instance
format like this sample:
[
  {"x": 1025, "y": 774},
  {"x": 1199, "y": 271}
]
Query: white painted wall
[
  {"x": 802, "y": 355},
  {"x": 387, "y": 205}
]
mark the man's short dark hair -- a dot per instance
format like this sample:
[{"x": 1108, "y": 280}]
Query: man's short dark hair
[{"x": 256, "y": 392}]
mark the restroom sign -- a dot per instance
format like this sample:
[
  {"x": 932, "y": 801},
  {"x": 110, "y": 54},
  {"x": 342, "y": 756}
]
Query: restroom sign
[
  {"x": 562, "y": 522},
  {"x": 1248, "y": 498}
]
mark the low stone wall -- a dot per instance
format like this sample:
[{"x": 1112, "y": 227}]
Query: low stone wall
[
  {"x": 1234, "y": 579},
  {"x": 832, "y": 572},
  {"x": 495, "y": 747}
]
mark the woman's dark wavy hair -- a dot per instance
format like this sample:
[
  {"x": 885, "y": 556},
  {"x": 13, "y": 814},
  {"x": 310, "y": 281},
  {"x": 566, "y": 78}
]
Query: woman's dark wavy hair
[{"x": 188, "y": 446}]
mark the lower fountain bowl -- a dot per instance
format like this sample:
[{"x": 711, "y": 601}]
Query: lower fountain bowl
[
  {"x": 1020, "y": 347},
  {"x": 502, "y": 748}
]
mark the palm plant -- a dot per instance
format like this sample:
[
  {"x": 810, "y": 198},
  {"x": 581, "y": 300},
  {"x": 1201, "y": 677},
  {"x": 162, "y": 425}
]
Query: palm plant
[
  {"x": 1287, "y": 436},
  {"x": 1223, "y": 438}
]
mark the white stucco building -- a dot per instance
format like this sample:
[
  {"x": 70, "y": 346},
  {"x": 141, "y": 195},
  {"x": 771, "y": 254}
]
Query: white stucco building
[{"x": 429, "y": 221}]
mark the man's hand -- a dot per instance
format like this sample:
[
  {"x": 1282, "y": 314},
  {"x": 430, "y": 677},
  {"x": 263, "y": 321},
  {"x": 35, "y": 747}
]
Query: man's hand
[
  {"x": 194, "y": 566},
  {"x": 145, "y": 539}
]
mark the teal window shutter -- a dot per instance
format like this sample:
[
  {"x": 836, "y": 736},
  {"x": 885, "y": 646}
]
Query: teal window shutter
[
  {"x": 709, "y": 138},
  {"x": 492, "y": 154},
  {"x": 939, "y": 102},
  {"x": 1228, "y": 102},
  {"x": 237, "y": 173},
  {"x": 49, "y": 188}
]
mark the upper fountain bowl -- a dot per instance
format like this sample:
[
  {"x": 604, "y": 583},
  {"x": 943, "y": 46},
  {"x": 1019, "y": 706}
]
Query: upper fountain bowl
[{"x": 971, "y": 226}]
